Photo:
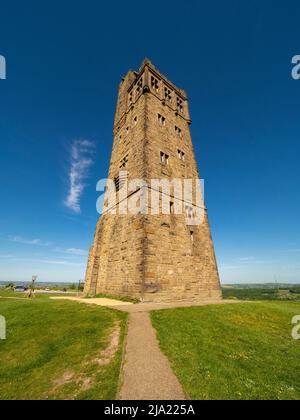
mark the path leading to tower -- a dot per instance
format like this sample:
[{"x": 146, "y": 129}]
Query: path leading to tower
[
  {"x": 146, "y": 371},
  {"x": 96, "y": 301},
  {"x": 142, "y": 307},
  {"x": 147, "y": 374}
]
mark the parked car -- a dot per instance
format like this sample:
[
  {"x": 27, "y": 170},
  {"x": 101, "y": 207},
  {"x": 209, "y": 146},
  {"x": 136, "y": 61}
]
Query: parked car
[{"x": 20, "y": 289}]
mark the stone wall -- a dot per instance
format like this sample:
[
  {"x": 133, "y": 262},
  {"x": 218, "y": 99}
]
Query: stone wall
[{"x": 153, "y": 257}]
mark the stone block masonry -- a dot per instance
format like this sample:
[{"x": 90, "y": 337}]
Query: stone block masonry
[{"x": 152, "y": 257}]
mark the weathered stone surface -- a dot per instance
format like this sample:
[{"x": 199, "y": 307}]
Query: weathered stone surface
[{"x": 152, "y": 257}]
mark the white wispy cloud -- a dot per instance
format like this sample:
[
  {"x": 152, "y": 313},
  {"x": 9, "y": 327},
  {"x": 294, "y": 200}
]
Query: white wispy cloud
[
  {"x": 25, "y": 241},
  {"x": 72, "y": 251},
  {"x": 81, "y": 156},
  {"x": 243, "y": 259},
  {"x": 43, "y": 261},
  {"x": 59, "y": 262},
  {"x": 38, "y": 242}
]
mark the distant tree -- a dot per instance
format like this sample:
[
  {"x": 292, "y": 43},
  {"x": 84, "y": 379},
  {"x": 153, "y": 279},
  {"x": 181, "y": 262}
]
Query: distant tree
[
  {"x": 73, "y": 287},
  {"x": 10, "y": 286}
]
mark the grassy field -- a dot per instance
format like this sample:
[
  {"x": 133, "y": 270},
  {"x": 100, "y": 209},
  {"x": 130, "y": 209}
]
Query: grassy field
[
  {"x": 7, "y": 293},
  {"x": 240, "y": 351},
  {"x": 59, "y": 349},
  {"x": 63, "y": 350},
  {"x": 287, "y": 293}
]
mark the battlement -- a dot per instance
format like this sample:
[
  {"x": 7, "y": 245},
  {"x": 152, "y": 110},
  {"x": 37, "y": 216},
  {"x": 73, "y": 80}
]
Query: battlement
[{"x": 149, "y": 80}]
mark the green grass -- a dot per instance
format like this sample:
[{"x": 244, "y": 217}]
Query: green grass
[
  {"x": 291, "y": 293},
  {"x": 53, "y": 349},
  {"x": 10, "y": 293},
  {"x": 4, "y": 293},
  {"x": 240, "y": 351}
]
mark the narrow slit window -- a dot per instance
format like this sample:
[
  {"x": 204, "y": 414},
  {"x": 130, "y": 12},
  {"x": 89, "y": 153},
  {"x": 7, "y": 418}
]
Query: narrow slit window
[
  {"x": 161, "y": 120},
  {"x": 154, "y": 84},
  {"x": 131, "y": 97},
  {"x": 180, "y": 105},
  {"x": 135, "y": 120},
  {"x": 172, "y": 207},
  {"x": 181, "y": 155},
  {"x": 117, "y": 183},
  {"x": 164, "y": 158},
  {"x": 168, "y": 95},
  {"x": 192, "y": 237},
  {"x": 178, "y": 132},
  {"x": 121, "y": 180},
  {"x": 139, "y": 86},
  {"x": 123, "y": 162}
]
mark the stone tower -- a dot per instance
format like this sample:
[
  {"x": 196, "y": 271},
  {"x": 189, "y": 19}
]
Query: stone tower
[{"x": 153, "y": 257}]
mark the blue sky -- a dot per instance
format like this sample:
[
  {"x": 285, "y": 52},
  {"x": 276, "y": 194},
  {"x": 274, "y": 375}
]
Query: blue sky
[{"x": 64, "y": 64}]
